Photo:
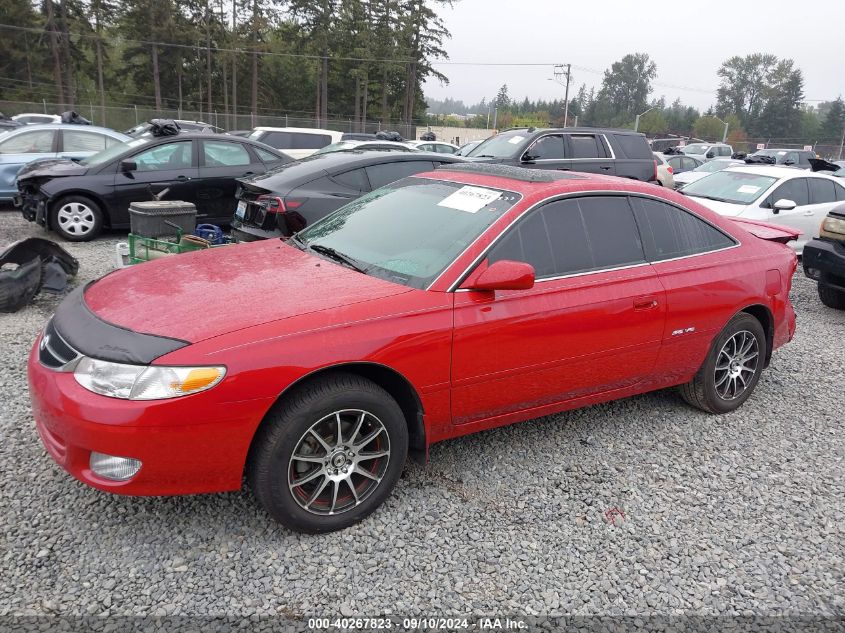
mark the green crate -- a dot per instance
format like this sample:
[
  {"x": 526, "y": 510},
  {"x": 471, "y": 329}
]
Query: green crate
[{"x": 144, "y": 249}]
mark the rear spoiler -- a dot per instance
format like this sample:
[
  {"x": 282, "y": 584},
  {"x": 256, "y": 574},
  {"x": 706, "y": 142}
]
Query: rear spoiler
[{"x": 768, "y": 232}]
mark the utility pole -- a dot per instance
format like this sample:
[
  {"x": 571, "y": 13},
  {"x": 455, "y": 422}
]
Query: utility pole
[
  {"x": 841, "y": 143},
  {"x": 559, "y": 74}
]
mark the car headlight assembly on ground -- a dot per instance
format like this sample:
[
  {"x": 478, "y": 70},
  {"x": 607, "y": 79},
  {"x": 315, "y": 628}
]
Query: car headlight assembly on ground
[{"x": 140, "y": 382}]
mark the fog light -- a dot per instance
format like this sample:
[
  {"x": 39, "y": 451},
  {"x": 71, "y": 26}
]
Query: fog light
[
  {"x": 814, "y": 273},
  {"x": 114, "y": 468}
]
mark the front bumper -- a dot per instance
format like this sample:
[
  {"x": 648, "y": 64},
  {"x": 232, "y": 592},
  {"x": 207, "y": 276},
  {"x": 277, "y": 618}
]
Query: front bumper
[
  {"x": 193, "y": 444},
  {"x": 824, "y": 261}
]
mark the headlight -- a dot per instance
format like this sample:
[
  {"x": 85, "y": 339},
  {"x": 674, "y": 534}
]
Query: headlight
[
  {"x": 833, "y": 225},
  {"x": 144, "y": 382}
]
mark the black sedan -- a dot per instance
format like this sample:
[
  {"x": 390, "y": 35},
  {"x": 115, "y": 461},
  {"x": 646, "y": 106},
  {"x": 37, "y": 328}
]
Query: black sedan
[
  {"x": 78, "y": 199},
  {"x": 290, "y": 198}
]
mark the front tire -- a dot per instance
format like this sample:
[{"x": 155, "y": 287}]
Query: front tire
[
  {"x": 832, "y": 297},
  {"x": 76, "y": 218},
  {"x": 329, "y": 454},
  {"x": 732, "y": 368}
]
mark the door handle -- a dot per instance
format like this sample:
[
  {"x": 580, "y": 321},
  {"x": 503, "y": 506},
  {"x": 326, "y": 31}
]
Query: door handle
[
  {"x": 182, "y": 178},
  {"x": 810, "y": 212},
  {"x": 605, "y": 168},
  {"x": 645, "y": 303},
  {"x": 247, "y": 173}
]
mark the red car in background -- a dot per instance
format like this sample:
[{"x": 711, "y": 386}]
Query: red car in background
[{"x": 447, "y": 303}]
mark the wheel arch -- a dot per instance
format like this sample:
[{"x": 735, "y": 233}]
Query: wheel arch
[
  {"x": 399, "y": 388},
  {"x": 764, "y": 315}
]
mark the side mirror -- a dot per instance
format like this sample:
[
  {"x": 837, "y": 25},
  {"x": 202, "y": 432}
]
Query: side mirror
[
  {"x": 784, "y": 205},
  {"x": 789, "y": 162},
  {"x": 128, "y": 165},
  {"x": 711, "y": 154},
  {"x": 502, "y": 275}
]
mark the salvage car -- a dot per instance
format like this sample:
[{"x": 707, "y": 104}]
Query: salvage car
[
  {"x": 443, "y": 304},
  {"x": 296, "y": 142},
  {"x": 77, "y": 199},
  {"x": 593, "y": 150},
  {"x": 438, "y": 147},
  {"x": 788, "y": 157},
  {"x": 38, "y": 142},
  {"x": 791, "y": 197},
  {"x": 355, "y": 144},
  {"x": 707, "y": 151},
  {"x": 665, "y": 171},
  {"x": 824, "y": 259},
  {"x": 290, "y": 198},
  {"x": 717, "y": 164}
]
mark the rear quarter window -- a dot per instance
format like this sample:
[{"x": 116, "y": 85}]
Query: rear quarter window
[{"x": 631, "y": 146}]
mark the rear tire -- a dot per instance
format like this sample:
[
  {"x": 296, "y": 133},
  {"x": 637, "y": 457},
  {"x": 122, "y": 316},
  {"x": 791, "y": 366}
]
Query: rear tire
[
  {"x": 832, "y": 297},
  {"x": 76, "y": 218},
  {"x": 732, "y": 367},
  {"x": 311, "y": 465}
]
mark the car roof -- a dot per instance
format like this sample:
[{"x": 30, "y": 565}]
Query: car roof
[
  {"x": 70, "y": 126},
  {"x": 776, "y": 171},
  {"x": 782, "y": 149},
  {"x": 576, "y": 130},
  {"x": 307, "y": 130}
]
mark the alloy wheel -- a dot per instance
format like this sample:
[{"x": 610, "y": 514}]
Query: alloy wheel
[
  {"x": 339, "y": 462},
  {"x": 736, "y": 365}
]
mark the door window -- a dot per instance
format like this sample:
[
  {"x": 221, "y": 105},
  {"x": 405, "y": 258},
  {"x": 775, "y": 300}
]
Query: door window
[
  {"x": 821, "y": 190},
  {"x": 585, "y": 146},
  {"x": 355, "y": 179},
  {"x": 35, "y": 142},
  {"x": 296, "y": 140},
  {"x": 670, "y": 232},
  {"x": 573, "y": 236},
  {"x": 168, "y": 156},
  {"x": 265, "y": 156},
  {"x": 386, "y": 173},
  {"x": 840, "y": 192},
  {"x": 224, "y": 154},
  {"x": 83, "y": 141},
  {"x": 794, "y": 189},
  {"x": 547, "y": 147}
]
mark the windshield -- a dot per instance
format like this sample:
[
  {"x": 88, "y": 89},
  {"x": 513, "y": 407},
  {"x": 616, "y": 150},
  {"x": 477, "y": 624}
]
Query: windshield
[
  {"x": 114, "y": 151},
  {"x": 778, "y": 154},
  {"x": 695, "y": 148},
  {"x": 715, "y": 165},
  {"x": 737, "y": 187},
  {"x": 500, "y": 146},
  {"x": 411, "y": 230}
]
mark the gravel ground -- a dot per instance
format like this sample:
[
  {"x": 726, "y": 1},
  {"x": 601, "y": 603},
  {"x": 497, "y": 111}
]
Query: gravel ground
[{"x": 737, "y": 514}]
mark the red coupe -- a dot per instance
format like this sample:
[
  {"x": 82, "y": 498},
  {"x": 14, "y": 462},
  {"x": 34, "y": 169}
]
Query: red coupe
[{"x": 447, "y": 303}]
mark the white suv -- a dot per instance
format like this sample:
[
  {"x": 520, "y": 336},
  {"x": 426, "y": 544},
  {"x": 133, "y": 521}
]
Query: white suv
[
  {"x": 706, "y": 151},
  {"x": 296, "y": 142}
]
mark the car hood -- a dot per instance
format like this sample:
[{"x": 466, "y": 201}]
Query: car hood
[
  {"x": 722, "y": 208},
  {"x": 200, "y": 295},
  {"x": 52, "y": 168},
  {"x": 690, "y": 176}
]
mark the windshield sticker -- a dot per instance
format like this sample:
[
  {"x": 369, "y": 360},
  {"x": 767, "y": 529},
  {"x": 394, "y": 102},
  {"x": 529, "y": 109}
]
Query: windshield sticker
[
  {"x": 748, "y": 189},
  {"x": 470, "y": 199},
  {"x": 516, "y": 140}
]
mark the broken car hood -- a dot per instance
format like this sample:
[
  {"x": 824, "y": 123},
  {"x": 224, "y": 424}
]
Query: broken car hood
[{"x": 52, "y": 168}]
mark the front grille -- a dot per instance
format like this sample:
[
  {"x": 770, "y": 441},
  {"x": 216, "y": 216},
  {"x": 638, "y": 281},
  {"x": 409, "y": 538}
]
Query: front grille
[{"x": 54, "y": 352}]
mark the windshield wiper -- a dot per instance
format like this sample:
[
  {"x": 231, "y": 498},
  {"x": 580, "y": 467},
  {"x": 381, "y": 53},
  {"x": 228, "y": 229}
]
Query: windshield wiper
[
  {"x": 483, "y": 156},
  {"x": 338, "y": 257},
  {"x": 300, "y": 244},
  {"x": 701, "y": 195}
]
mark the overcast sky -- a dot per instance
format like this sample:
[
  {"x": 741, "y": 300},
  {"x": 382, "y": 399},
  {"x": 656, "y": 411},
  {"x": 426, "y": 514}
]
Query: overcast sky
[{"x": 688, "y": 42}]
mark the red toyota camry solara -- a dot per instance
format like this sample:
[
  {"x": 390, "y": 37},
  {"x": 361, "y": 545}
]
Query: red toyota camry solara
[{"x": 443, "y": 304}]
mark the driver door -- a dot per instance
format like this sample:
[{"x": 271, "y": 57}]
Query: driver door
[
  {"x": 592, "y": 323},
  {"x": 171, "y": 166}
]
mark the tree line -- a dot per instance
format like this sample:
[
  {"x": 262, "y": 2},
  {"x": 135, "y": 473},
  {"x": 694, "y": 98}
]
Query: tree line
[
  {"x": 359, "y": 59},
  {"x": 759, "y": 96}
]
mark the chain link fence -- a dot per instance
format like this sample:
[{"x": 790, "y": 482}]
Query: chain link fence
[{"x": 121, "y": 118}]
